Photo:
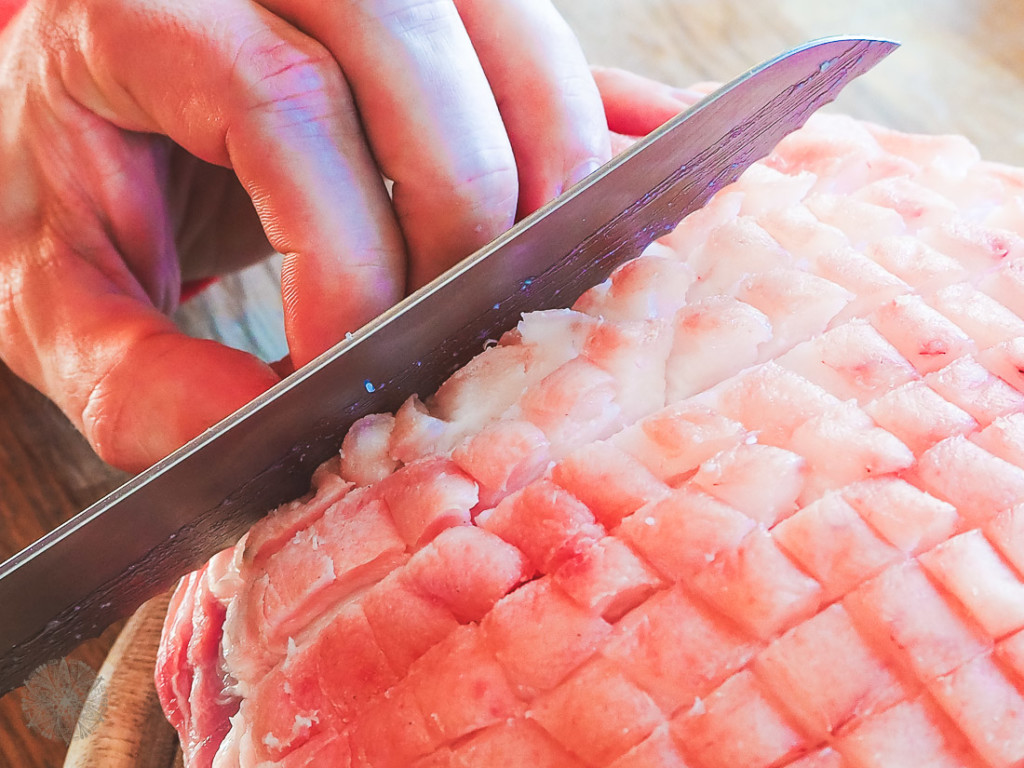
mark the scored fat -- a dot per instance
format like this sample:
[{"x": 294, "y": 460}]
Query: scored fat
[{"x": 755, "y": 501}]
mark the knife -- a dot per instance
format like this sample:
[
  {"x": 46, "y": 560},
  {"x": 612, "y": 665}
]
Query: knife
[{"x": 135, "y": 543}]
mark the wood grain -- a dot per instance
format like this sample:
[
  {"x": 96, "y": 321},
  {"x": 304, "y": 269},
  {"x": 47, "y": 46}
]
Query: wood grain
[
  {"x": 961, "y": 69},
  {"x": 133, "y": 732}
]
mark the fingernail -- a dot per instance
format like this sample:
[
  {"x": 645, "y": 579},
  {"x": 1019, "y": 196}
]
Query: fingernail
[{"x": 582, "y": 170}]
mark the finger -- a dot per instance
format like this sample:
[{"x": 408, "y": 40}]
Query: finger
[
  {"x": 237, "y": 86},
  {"x": 635, "y": 105},
  {"x": 135, "y": 386},
  {"x": 216, "y": 227},
  {"x": 547, "y": 97},
  {"x": 82, "y": 165},
  {"x": 430, "y": 117}
]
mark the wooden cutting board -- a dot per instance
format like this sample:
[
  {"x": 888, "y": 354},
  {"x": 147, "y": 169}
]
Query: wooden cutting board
[{"x": 133, "y": 732}]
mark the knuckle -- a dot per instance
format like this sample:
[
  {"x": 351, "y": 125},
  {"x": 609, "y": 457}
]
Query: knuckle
[
  {"x": 421, "y": 17},
  {"x": 100, "y": 421},
  {"x": 101, "y": 413},
  {"x": 106, "y": 409},
  {"x": 298, "y": 79},
  {"x": 492, "y": 186}
]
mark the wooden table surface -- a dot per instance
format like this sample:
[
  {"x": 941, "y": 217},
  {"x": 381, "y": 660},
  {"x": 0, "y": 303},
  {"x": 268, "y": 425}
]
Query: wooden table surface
[{"x": 961, "y": 69}]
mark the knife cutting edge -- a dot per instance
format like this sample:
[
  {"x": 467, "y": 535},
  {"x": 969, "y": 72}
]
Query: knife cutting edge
[{"x": 136, "y": 542}]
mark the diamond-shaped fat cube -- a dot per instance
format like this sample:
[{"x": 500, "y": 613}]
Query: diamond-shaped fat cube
[
  {"x": 427, "y": 496},
  {"x": 715, "y": 337},
  {"x": 1006, "y": 284},
  {"x": 544, "y": 521},
  {"x": 503, "y": 457},
  {"x": 974, "y": 481},
  {"x": 520, "y": 628},
  {"x": 459, "y": 685},
  {"x": 912, "y": 733},
  {"x": 973, "y": 572},
  {"x": 761, "y": 481},
  {"x": 351, "y": 666},
  {"x": 852, "y": 361},
  {"x": 608, "y": 480},
  {"x": 798, "y": 305},
  {"x": 296, "y": 577},
  {"x": 515, "y": 743},
  {"x": 1006, "y": 360},
  {"x": 919, "y": 416},
  {"x": 693, "y": 230},
  {"x": 844, "y": 446},
  {"x": 733, "y": 249},
  {"x": 759, "y": 587},
  {"x": 393, "y": 730},
  {"x": 922, "y": 335},
  {"x": 737, "y": 725},
  {"x": 918, "y": 204},
  {"x": 405, "y": 622},
  {"x": 674, "y": 441},
  {"x": 980, "y": 246},
  {"x": 871, "y": 283},
  {"x": 968, "y": 384},
  {"x": 597, "y": 714},
  {"x": 915, "y": 262},
  {"x": 988, "y": 707},
  {"x": 607, "y": 578},
  {"x": 354, "y": 544},
  {"x": 676, "y": 649},
  {"x": 827, "y": 673},
  {"x": 467, "y": 569},
  {"x": 903, "y": 612},
  {"x": 797, "y": 230},
  {"x": 1006, "y": 532},
  {"x": 1004, "y": 438},
  {"x": 574, "y": 405},
  {"x": 656, "y": 751},
  {"x": 983, "y": 318},
  {"x": 280, "y": 525},
  {"x": 908, "y": 518},
  {"x": 649, "y": 287},
  {"x": 830, "y": 540},
  {"x": 289, "y": 707},
  {"x": 770, "y": 400},
  {"x": 683, "y": 532},
  {"x": 360, "y": 537}
]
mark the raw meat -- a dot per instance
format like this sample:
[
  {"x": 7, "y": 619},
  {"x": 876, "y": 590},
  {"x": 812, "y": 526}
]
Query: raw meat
[{"x": 756, "y": 501}]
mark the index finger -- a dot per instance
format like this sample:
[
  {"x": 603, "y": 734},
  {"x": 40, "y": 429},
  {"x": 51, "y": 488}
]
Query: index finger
[
  {"x": 430, "y": 117},
  {"x": 237, "y": 86}
]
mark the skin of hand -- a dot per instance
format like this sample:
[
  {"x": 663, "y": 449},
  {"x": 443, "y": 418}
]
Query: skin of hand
[{"x": 146, "y": 142}]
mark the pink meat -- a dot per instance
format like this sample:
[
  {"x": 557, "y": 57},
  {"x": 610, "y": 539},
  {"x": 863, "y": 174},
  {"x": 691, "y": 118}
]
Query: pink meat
[{"x": 757, "y": 500}]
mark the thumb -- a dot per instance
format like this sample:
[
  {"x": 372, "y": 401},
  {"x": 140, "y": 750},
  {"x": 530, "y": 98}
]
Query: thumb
[{"x": 135, "y": 385}]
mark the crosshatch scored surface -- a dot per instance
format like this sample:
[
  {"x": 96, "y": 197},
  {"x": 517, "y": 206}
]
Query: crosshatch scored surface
[{"x": 756, "y": 501}]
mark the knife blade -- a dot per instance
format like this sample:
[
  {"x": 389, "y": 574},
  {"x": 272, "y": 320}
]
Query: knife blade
[{"x": 106, "y": 561}]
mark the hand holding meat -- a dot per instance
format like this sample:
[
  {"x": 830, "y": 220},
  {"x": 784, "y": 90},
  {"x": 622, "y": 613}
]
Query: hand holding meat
[{"x": 144, "y": 143}]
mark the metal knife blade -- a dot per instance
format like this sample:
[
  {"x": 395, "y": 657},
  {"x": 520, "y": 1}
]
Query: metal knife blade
[{"x": 133, "y": 544}]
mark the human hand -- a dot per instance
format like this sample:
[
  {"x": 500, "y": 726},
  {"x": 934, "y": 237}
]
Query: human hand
[{"x": 142, "y": 143}]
